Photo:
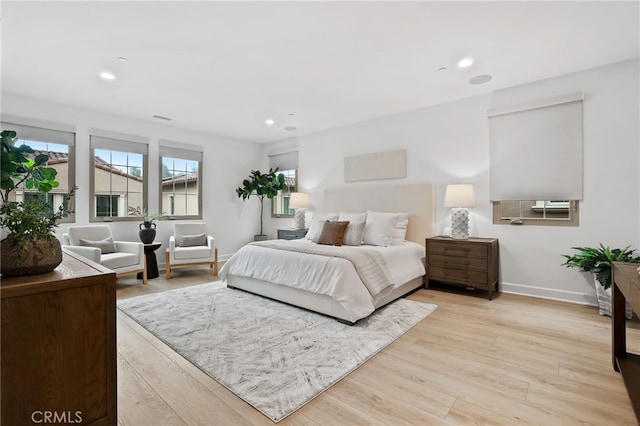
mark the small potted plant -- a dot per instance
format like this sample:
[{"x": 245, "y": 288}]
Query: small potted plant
[
  {"x": 262, "y": 185},
  {"x": 30, "y": 246},
  {"x": 599, "y": 261},
  {"x": 146, "y": 232}
]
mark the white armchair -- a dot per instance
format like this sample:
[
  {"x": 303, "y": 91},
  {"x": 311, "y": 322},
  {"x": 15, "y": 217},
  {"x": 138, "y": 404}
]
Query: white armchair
[
  {"x": 190, "y": 245},
  {"x": 95, "y": 242}
]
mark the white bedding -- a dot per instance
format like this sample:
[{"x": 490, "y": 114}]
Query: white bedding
[{"x": 330, "y": 276}]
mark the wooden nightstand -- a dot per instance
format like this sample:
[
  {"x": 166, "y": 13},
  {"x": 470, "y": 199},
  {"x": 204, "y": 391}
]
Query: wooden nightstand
[
  {"x": 291, "y": 234},
  {"x": 468, "y": 263}
]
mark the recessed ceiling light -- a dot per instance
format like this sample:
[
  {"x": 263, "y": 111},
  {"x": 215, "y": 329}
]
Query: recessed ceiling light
[
  {"x": 465, "y": 63},
  {"x": 442, "y": 69},
  {"x": 269, "y": 122},
  {"x": 123, "y": 59},
  {"x": 480, "y": 79},
  {"x": 290, "y": 128},
  {"x": 106, "y": 75}
]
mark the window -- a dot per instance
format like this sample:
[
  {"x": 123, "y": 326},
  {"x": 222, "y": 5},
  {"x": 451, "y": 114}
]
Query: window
[
  {"x": 550, "y": 213},
  {"x": 107, "y": 205},
  {"x": 118, "y": 176},
  {"x": 287, "y": 163},
  {"x": 181, "y": 192},
  {"x": 58, "y": 142},
  {"x": 280, "y": 202}
]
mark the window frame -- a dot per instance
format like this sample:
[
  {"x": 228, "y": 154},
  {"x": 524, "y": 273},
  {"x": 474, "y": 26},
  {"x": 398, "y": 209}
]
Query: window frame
[
  {"x": 572, "y": 221},
  {"x": 172, "y": 150},
  {"x": 47, "y": 133},
  {"x": 123, "y": 144}
]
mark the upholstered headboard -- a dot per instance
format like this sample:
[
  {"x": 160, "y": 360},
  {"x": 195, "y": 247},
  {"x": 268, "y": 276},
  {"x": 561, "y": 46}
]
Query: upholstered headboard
[{"x": 415, "y": 199}]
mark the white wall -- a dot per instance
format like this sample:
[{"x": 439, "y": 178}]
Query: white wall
[
  {"x": 449, "y": 143},
  {"x": 226, "y": 163}
]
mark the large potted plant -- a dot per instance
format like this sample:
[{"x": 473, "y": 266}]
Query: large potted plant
[
  {"x": 30, "y": 246},
  {"x": 262, "y": 185},
  {"x": 599, "y": 261}
]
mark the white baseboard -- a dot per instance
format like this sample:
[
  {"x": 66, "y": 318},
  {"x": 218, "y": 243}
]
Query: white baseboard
[{"x": 550, "y": 293}]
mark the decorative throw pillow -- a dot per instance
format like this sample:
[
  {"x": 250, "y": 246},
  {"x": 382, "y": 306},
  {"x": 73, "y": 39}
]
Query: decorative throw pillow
[
  {"x": 332, "y": 233},
  {"x": 354, "y": 234},
  {"x": 400, "y": 232},
  {"x": 106, "y": 246},
  {"x": 191, "y": 240}
]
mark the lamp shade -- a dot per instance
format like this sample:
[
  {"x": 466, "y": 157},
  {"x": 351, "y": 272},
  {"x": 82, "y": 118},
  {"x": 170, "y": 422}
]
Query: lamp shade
[
  {"x": 299, "y": 200},
  {"x": 460, "y": 195}
]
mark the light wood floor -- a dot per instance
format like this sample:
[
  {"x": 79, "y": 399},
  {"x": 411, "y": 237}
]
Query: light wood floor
[{"x": 513, "y": 360}]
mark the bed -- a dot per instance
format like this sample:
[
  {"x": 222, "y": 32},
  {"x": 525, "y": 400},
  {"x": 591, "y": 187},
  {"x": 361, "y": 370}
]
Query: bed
[{"x": 341, "y": 283}]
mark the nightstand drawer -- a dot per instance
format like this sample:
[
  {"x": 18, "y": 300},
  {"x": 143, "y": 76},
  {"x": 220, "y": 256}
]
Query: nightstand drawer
[
  {"x": 291, "y": 234},
  {"x": 472, "y": 263},
  {"x": 458, "y": 249},
  {"x": 460, "y": 276}
]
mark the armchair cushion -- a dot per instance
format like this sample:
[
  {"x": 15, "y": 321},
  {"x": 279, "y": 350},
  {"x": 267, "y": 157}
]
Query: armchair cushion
[
  {"x": 191, "y": 240},
  {"x": 117, "y": 261},
  {"x": 193, "y": 253},
  {"x": 106, "y": 246}
]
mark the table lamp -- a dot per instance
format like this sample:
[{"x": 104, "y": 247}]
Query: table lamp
[
  {"x": 299, "y": 202},
  {"x": 459, "y": 197}
]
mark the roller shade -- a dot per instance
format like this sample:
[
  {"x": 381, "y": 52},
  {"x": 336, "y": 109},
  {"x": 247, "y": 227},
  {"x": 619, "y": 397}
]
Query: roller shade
[
  {"x": 180, "y": 150},
  {"x": 536, "y": 150},
  {"x": 102, "y": 139},
  {"x": 42, "y": 132},
  {"x": 284, "y": 160}
]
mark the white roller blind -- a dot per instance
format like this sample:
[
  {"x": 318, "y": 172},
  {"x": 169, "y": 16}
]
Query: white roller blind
[
  {"x": 103, "y": 139},
  {"x": 41, "y": 133},
  {"x": 284, "y": 160},
  {"x": 180, "y": 150},
  {"x": 536, "y": 150}
]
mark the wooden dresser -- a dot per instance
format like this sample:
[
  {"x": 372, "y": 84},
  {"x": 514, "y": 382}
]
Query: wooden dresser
[
  {"x": 473, "y": 262},
  {"x": 625, "y": 287},
  {"x": 58, "y": 341}
]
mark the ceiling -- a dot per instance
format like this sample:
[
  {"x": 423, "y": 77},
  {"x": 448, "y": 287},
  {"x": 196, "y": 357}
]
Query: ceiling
[{"x": 226, "y": 67}]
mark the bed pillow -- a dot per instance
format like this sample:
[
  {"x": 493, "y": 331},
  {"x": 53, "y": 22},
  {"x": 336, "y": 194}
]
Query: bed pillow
[
  {"x": 382, "y": 229},
  {"x": 315, "y": 227},
  {"x": 333, "y": 232},
  {"x": 191, "y": 240},
  {"x": 353, "y": 217},
  {"x": 106, "y": 246},
  {"x": 354, "y": 234},
  {"x": 400, "y": 232}
]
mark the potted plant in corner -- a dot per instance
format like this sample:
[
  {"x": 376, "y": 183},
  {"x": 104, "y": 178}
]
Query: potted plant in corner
[
  {"x": 30, "y": 246},
  {"x": 599, "y": 261},
  {"x": 146, "y": 232},
  {"x": 262, "y": 185}
]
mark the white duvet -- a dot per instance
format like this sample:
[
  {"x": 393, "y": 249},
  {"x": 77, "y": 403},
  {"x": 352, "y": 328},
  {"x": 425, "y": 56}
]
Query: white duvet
[{"x": 330, "y": 276}]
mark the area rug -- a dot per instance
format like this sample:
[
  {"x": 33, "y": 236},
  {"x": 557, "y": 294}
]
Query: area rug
[{"x": 274, "y": 356}]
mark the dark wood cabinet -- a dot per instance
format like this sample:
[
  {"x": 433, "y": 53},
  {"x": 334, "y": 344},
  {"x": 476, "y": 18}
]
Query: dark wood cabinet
[
  {"x": 470, "y": 263},
  {"x": 58, "y": 359},
  {"x": 291, "y": 234}
]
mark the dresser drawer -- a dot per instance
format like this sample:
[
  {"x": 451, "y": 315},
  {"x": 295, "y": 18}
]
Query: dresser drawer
[
  {"x": 471, "y": 263},
  {"x": 472, "y": 278},
  {"x": 458, "y": 249}
]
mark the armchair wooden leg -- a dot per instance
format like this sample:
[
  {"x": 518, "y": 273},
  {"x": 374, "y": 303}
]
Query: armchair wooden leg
[
  {"x": 214, "y": 265},
  {"x": 168, "y": 264},
  {"x": 144, "y": 274}
]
